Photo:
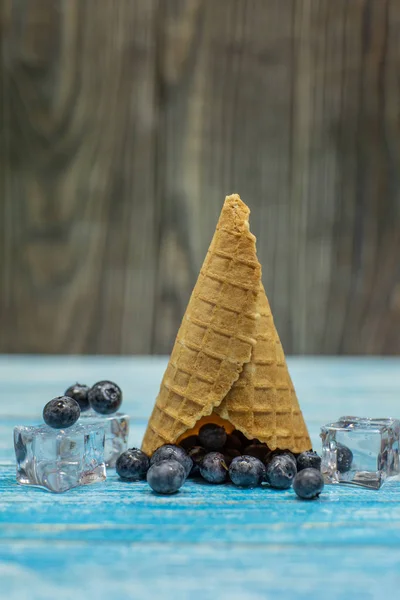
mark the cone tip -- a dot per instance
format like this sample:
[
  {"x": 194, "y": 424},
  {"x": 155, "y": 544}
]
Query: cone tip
[
  {"x": 235, "y": 200},
  {"x": 236, "y": 212}
]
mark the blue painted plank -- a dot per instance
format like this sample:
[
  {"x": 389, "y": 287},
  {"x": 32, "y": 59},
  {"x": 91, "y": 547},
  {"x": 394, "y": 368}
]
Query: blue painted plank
[
  {"x": 196, "y": 572},
  {"x": 207, "y": 541},
  {"x": 326, "y": 387},
  {"x": 130, "y": 512},
  {"x": 259, "y": 517}
]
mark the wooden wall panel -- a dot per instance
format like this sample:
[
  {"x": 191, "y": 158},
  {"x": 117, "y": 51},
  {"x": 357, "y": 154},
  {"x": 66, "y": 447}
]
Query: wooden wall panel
[
  {"x": 125, "y": 123},
  {"x": 79, "y": 128}
]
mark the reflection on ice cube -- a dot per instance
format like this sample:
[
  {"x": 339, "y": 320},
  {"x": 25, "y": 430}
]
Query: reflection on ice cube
[
  {"x": 59, "y": 459},
  {"x": 360, "y": 451},
  {"x": 116, "y": 429}
]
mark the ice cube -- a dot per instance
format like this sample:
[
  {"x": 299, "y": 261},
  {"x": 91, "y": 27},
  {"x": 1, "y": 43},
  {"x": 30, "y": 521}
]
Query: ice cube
[
  {"x": 116, "y": 429},
  {"x": 60, "y": 459},
  {"x": 360, "y": 451}
]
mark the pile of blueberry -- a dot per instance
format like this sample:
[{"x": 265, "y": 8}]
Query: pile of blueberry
[
  {"x": 105, "y": 397},
  {"x": 218, "y": 457}
]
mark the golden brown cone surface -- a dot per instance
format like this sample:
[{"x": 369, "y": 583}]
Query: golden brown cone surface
[
  {"x": 262, "y": 403},
  {"x": 227, "y": 358}
]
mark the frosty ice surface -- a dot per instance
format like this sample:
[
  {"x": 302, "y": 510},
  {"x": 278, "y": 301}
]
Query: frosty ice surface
[
  {"x": 60, "y": 459},
  {"x": 361, "y": 451},
  {"x": 116, "y": 427}
]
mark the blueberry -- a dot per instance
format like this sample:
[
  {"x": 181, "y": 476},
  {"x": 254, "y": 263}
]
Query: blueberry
[
  {"x": 190, "y": 442},
  {"x": 105, "y": 397},
  {"x": 79, "y": 393},
  {"x": 212, "y": 436},
  {"x": 166, "y": 476},
  {"x": 344, "y": 458},
  {"x": 280, "y": 472},
  {"x": 230, "y": 454},
  {"x": 246, "y": 471},
  {"x": 132, "y": 465},
  {"x": 233, "y": 442},
  {"x": 213, "y": 468},
  {"x": 197, "y": 453},
  {"x": 260, "y": 451},
  {"x": 308, "y": 459},
  {"x": 279, "y": 452},
  {"x": 172, "y": 452},
  {"x": 291, "y": 456},
  {"x": 254, "y": 441},
  {"x": 61, "y": 412},
  {"x": 241, "y": 437},
  {"x": 308, "y": 483}
]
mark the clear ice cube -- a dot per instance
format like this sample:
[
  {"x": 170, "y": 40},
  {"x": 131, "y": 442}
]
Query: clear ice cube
[
  {"x": 116, "y": 428},
  {"x": 360, "y": 451},
  {"x": 59, "y": 459}
]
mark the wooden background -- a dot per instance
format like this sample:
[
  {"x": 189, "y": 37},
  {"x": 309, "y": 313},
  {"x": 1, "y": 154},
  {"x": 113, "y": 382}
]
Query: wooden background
[{"x": 124, "y": 123}]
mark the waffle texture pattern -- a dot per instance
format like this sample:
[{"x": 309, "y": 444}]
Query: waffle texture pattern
[{"x": 227, "y": 358}]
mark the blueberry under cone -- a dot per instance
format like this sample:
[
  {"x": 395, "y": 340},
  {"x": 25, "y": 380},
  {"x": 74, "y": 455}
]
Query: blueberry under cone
[{"x": 227, "y": 360}]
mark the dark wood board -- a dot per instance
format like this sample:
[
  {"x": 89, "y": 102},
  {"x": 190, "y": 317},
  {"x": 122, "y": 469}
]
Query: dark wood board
[{"x": 123, "y": 126}]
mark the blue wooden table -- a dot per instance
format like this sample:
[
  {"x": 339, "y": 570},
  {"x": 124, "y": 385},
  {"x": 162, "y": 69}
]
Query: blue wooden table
[{"x": 119, "y": 540}]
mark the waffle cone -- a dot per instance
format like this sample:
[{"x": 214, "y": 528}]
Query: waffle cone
[{"x": 227, "y": 364}]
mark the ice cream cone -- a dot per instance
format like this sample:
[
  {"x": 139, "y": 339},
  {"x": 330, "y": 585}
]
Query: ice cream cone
[{"x": 227, "y": 362}]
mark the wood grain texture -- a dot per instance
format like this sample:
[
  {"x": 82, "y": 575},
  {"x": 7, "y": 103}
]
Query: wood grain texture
[
  {"x": 125, "y": 125},
  {"x": 118, "y": 539},
  {"x": 79, "y": 138}
]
